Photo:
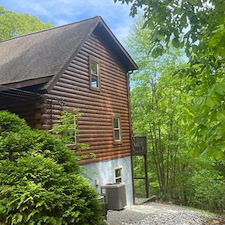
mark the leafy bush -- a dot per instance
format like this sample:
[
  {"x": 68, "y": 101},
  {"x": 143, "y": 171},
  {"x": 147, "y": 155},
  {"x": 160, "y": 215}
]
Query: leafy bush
[
  {"x": 206, "y": 190},
  {"x": 201, "y": 185},
  {"x": 11, "y": 123},
  {"x": 34, "y": 142},
  {"x": 39, "y": 179}
]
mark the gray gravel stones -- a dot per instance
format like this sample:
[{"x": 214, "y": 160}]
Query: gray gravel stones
[{"x": 156, "y": 214}]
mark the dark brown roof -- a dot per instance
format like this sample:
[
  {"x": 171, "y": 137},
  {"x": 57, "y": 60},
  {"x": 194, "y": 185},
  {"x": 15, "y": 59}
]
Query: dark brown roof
[{"x": 42, "y": 55}]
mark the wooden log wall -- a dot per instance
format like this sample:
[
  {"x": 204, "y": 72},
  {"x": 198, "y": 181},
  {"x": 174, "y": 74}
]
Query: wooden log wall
[
  {"x": 29, "y": 110},
  {"x": 97, "y": 107}
]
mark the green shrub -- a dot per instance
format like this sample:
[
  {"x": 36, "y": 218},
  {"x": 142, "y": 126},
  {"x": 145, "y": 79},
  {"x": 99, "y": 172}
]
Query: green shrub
[
  {"x": 40, "y": 181},
  {"x": 34, "y": 142},
  {"x": 10, "y": 122},
  {"x": 206, "y": 190}
]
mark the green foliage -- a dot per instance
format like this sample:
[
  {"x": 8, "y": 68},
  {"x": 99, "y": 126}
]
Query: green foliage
[
  {"x": 67, "y": 128},
  {"x": 11, "y": 123},
  {"x": 39, "y": 179},
  {"x": 166, "y": 106},
  {"x": 67, "y": 132},
  {"x": 156, "y": 112},
  {"x": 204, "y": 109},
  {"x": 15, "y": 24},
  {"x": 36, "y": 189},
  {"x": 206, "y": 189},
  {"x": 180, "y": 23},
  {"x": 198, "y": 27},
  {"x": 35, "y": 142}
]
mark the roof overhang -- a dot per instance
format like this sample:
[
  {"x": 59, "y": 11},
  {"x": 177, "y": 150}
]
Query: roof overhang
[
  {"x": 19, "y": 94},
  {"x": 25, "y": 90},
  {"x": 110, "y": 39},
  {"x": 26, "y": 83}
]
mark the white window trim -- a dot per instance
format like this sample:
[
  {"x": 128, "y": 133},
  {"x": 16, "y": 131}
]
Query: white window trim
[
  {"x": 119, "y": 141},
  {"x": 122, "y": 176},
  {"x": 93, "y": 59}
]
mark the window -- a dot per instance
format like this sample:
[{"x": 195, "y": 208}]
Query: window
[
  {"x": 116, "y": 129},
  {"x": 94, "y": 73},
  {"x": 118, "y": 175}
]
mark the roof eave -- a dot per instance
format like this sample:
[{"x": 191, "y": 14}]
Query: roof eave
[
  {"x": 27, "y": 83},
  {"x": 119, "y": 49}
]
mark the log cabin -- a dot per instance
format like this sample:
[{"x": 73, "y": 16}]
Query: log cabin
[{"x": 76, "y": 66}]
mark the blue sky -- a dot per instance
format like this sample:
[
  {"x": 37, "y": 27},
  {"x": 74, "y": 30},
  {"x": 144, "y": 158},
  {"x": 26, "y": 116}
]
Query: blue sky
[{"x": 60, "y": 12}]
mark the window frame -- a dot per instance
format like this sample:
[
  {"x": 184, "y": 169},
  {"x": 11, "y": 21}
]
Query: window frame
[
  {"x": 115, "y": 141},
  {"x": 119, "y": 177},
  {"x": 93, "y": 59}
]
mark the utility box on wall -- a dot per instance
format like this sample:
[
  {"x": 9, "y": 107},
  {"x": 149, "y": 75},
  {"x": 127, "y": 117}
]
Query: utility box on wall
[{"x": 115, "y": 194}]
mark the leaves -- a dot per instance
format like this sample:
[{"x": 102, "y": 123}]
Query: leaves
[
  {"x": 199, "y": 28},
  {"x": 180, "y": 109},
  {"x": 14, "y": 24},
  {"x": 67, "y": 129},
  {"x": 40, "y": 180},
  {"x": 180, "y": 22},
  {"x": 158, "y": 51},
  {"x": 219, "y": 88}
]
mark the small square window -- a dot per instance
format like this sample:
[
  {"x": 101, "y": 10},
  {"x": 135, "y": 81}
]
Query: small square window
[
  {"x": 118, "y": 175},
  {"x": 94, "y": 73}
]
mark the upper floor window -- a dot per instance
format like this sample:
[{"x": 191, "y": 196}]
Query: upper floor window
[
  {"x": 116, "y": 129},
  {"x": 94, "y": 73}
]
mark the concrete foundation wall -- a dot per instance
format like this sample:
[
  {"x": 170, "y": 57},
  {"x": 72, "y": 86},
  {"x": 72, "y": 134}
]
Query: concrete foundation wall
[{"x": 103, "y": 172}]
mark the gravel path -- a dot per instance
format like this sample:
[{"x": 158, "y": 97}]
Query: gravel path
[{"x": 153, "y": 213}]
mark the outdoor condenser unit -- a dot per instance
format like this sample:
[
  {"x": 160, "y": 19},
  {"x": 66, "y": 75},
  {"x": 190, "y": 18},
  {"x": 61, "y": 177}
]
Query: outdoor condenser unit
[{"x": 115, "y": 194}]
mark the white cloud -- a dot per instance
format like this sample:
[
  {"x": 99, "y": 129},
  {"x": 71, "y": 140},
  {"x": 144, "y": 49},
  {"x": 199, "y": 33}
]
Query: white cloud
[{"x": 59, "y": 12}]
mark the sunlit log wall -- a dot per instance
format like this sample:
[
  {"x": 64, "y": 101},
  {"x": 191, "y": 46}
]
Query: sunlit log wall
[{"x": 72, "y": 91}]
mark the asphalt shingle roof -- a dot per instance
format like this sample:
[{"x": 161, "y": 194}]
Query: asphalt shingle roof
[
  {"x": 42, "y": 53},
  {"x": 45, "y": 53}
]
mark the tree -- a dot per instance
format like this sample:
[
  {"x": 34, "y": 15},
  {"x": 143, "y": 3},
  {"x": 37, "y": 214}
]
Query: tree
[
  {"x": 198, "y": 27},
  {"x": 40, "y": 180},
  {"x": 182, "y": 23},
  {"x": 160, "y": 111},
  {"x": 155, "y": 112},
  {"x": 15, "y": 24}
]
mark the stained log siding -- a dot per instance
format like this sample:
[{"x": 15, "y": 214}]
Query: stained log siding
[
  {"x": 97, "y": 107},
  {"x": 31, "y": 111}
]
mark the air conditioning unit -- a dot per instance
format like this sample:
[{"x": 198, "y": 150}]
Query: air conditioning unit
[{"x": 115, "y": 194}]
